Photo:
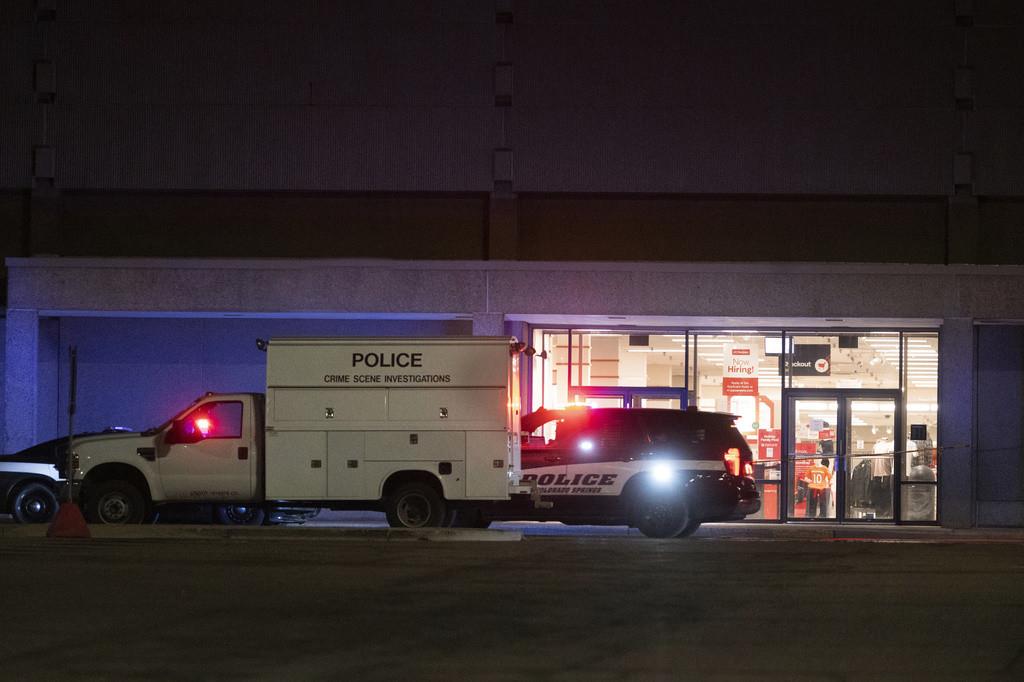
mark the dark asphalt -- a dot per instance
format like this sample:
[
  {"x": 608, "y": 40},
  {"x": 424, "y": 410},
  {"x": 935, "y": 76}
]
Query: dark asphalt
[{"x": 573, "y": 608}]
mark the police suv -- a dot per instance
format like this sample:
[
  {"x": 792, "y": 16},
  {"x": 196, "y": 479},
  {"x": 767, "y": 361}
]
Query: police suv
[
  {"x": 30, "y": 483},
  {"x": 662, "y": 471}
]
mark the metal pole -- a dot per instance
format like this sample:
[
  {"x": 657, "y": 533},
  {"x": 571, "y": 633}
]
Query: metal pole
[{"x": 70, "y": 474}]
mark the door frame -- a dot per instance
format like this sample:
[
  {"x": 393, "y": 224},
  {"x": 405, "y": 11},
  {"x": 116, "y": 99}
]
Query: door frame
[
  {"x": 628, "y": 393},
  {"x": 843, "y": 396}
]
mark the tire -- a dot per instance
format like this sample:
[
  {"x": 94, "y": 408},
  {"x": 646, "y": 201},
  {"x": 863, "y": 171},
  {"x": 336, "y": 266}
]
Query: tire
[
  {"x": 34, "y": 503},
  {"x": 115, "y": 502},
  {"x": 689, "y": 529},
  {"x": 239, "y": 514},
  {"x": 662, "y": 515},
  {"x": 415, "y": 505}
]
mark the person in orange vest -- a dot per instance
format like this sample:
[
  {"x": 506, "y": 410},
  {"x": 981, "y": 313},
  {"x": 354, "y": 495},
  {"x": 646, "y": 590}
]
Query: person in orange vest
[{"x": 819, "y": 485}]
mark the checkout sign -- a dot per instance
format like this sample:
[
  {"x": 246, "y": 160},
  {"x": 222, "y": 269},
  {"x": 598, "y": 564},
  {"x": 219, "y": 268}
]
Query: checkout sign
[{"x": 810, "y": 359}]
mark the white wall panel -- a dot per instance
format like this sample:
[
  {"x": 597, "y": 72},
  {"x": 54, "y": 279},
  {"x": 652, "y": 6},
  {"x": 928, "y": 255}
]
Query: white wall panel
[
  {"x": 724, "y": 12},
  {"x": 20, "y": 128},
  {"x": 119, "y": 63},
  {"x": 16, "y": 63},
  {"x": 728, "y": 151},
  {"x": 862, "y": 151},
  {"x": 997, "y": 140},
  {"x": 261, "y": 147}
]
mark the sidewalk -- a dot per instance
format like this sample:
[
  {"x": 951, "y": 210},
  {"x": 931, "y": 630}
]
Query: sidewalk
[
  {"x": 849, "y": 531},
  {"x": 262, "y": 533},
  {"x": 370, "y": 529}
]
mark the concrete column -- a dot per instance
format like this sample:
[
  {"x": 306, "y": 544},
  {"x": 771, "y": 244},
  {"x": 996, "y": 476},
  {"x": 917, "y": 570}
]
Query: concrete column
[
  {"x": 488, "y": 324},
  {"x": 517, "y": 329},
  {"x": 956, "y": 422},
  {"x": 21, "y": 386}
]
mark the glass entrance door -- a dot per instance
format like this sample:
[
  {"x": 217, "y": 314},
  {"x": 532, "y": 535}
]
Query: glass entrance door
[
  {"x": 840, "y": 448},
  {"x": 870, "y": 448},
  {"x": 814, "y": 423}
]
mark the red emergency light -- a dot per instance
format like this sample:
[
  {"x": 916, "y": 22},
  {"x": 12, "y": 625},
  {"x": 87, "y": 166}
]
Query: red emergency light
[{"x": 203, "y": 425}]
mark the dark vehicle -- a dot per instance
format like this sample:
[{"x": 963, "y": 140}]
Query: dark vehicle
[
  {"x": 662, "y": 471},
  {"x": 29, "y": 482}
]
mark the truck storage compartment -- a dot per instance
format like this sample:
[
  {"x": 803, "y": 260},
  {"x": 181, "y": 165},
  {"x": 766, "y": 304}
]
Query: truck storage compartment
[
  {"x": 346, "y": 466},
  {"x": 486, "y": 468},
  {"x": 478, "y": 408},
  {"x": 328, "y": 405},
  {"x": 416, "y": 446},
  {"x": 296, "y": 465}
]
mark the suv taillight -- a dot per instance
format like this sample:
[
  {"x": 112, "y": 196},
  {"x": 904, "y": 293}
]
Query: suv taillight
[{"x": 732, "y": 461}]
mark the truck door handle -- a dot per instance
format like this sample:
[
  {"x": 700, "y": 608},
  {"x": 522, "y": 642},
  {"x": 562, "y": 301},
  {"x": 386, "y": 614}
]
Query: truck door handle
[
  {"x": 146, "y": 453},
  {"x": 243, "y": 453}
]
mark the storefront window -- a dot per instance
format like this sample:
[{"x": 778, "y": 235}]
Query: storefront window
[
  {"x": 550, "y": 369},
  {"x": 738, "y": 373},
  {"x": 863, "y": 406},
  {"x": 614, "y": 359},
  {"x": 918, "y": 500},
  {"x": 855, "y": 360},
  {"x": 590, "y": 367}
]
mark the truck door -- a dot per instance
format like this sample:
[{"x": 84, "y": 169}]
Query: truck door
[{"x": 208, "y": 453}]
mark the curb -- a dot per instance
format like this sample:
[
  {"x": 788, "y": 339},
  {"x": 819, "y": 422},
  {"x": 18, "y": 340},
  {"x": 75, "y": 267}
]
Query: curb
[
  {"x": 150, "y": 532},
  {"x": 864, "y": 532}
]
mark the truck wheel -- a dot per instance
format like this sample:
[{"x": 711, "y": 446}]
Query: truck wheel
[
  {"x": 239, "y": 514},
  {"x": 34, "y": 503},
  {"x": 662, "y": 515},
  {"x": 115, "y": 502},
  {"x": 415, "y": 505}
]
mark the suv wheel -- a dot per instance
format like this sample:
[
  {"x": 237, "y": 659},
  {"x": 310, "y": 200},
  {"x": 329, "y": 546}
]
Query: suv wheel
[
  {"x": 34, "y": 503},
  {"x": 690, "y": 529},
  {"x": 662, "y": 515}
]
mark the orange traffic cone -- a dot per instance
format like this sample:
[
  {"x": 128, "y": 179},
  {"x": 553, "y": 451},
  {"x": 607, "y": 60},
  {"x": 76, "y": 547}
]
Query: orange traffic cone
[{"x": 68, "y": 523}]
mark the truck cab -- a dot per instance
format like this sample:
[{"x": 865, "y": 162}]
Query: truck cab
[{"x": 208, "y": 452}]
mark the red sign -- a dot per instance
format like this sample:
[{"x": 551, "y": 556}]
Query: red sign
[
  {"x": 827, "y": 434},
  {"x": 770, "y": 501},
  {"x": 769, "y": 444},
  {"x": 739, "y": 373},
  {"x": 739, "y": 386}
]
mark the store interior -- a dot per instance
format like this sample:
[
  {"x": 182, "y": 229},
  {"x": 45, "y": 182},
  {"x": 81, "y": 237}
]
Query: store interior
[{"x": 879, "y": 386}]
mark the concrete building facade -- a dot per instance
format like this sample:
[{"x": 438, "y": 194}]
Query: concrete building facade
[{"x": 181, "y": 177}]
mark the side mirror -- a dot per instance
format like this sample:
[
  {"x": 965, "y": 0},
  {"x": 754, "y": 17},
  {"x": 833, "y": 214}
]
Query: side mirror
[{"x": 179, "y": 434}]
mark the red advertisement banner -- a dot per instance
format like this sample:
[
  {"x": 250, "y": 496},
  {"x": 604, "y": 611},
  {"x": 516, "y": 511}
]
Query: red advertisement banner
[
  {"x": 769, "y": 444},
  {"x": 739, "y": 386}
]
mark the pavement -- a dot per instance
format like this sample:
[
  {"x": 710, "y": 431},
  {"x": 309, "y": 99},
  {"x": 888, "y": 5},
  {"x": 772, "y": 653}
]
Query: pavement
[
  {"x": 372, "y": 526},
  {"x": 551, "y": 607}
]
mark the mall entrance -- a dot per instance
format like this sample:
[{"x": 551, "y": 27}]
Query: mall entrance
[{"x": 841, "y": 451}]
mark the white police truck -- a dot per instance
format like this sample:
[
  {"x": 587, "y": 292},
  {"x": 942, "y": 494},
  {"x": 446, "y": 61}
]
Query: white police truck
[{"x": 414, "y": 427}]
